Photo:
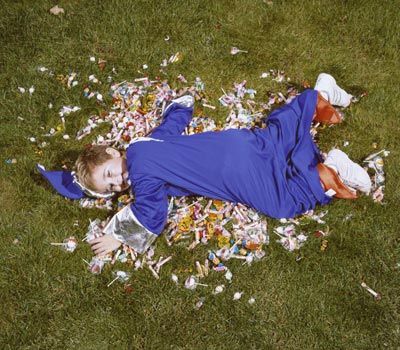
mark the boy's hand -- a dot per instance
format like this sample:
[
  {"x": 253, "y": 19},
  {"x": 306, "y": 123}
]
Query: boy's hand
[{"x": 104, "y": 244}]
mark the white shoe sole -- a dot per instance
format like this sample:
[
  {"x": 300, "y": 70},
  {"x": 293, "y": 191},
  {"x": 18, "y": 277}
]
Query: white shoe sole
[
  {"x": 326, "y": 84},
  {"x": 351, "y": 173}
]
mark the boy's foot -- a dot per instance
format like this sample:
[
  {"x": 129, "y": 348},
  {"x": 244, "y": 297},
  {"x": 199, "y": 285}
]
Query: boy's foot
[
  {"x": 352, "y": 174},
  {"x": 185, "y": 101},
  {"x": 327, "y": 87}
]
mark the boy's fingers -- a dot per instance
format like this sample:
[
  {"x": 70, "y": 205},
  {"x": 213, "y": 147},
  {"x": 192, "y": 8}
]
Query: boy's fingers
[
  {"x": 98, "y": 240},
  {"x": 101, "y": 252},
  {"x": 94, "y": 241},
  {"x": 96, "y": 246},
  {"x": 99, "y": 249}
]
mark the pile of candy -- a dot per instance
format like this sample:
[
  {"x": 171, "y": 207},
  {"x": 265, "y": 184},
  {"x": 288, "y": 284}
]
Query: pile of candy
[
  {"x": 124, "y": 255},
  {"x": 233, "y": 231},
  {"x": 138, "y": 106},
  {"x": 238, "y": 231}
]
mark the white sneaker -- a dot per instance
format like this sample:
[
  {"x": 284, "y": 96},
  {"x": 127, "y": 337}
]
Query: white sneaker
[
  {"x": 185, "y": 100},
  {"x": 352, "y": 174},
  {"x": 326, "y": 85}
]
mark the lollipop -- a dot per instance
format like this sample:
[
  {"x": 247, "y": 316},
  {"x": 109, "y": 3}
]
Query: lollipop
[
  {"x": 191, "y": 283},
  {"x": 235, "y": 50},
  {"x": 69, "y": 244},
  {"x": 122, "y": 276}
]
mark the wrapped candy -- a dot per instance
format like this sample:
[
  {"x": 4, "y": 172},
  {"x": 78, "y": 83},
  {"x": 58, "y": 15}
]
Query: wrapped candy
[
  {"x": 228, "y": 275},
  {"x": 375, "y": 162},
  {"x": 219, "y": 289},
  {"x": 174, "y": 278},
  {"x": 237, "y": 295},
  {"x": 199, "y": 303},
  {"x": 288, "y": 237},
  {"x": 96, "y": 265}
]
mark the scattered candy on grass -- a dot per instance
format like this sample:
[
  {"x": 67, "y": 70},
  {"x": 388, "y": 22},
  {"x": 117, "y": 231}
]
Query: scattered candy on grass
[
  {"x": 199, "y": 303},
  {"x": 56, "y": 10},
  {"x": 174, "y": 278},
  {"x": 233, "y": 231},
  {"x": 237, "y": 295},
  {"x": 219, "y": 289}
]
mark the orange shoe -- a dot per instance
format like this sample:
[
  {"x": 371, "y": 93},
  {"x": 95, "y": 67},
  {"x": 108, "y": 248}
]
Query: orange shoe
[
  {"x": 331, "y": 181},
  {"x": 325, "y": 112}
]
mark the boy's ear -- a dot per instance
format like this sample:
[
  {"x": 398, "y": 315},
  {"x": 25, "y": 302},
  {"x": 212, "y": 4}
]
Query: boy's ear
[{"x": 113, "y": 152}]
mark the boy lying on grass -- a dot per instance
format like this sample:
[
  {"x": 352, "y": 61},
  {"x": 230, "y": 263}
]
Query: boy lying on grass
[{"x": 277, "y": 170}]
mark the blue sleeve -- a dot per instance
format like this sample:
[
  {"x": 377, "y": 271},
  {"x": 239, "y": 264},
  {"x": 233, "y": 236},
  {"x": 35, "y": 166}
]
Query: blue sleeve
[
  {"x": 151, "y": 204},
  {"x": 174, "y": 122}
]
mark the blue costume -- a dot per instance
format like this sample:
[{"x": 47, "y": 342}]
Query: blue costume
[{"x": 272, "y": 170}]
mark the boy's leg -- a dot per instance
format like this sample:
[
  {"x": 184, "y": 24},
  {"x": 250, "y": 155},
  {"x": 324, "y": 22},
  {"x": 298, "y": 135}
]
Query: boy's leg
[
  {"x": 342, "y": 175},
  {"x": 329, "y": 93}
]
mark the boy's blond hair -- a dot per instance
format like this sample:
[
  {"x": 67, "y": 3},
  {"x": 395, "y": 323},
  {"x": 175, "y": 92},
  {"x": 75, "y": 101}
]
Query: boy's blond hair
[{"x": 91, "y": 157}]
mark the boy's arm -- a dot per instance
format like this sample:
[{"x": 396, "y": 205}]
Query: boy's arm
[
  {"x": 174, "y": 122},
  {"x": 126, "y": 228},
  {"x": 140, "y": 223}
]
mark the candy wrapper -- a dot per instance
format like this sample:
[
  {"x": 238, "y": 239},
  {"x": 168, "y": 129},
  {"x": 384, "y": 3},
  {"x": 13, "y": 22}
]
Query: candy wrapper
[
  {"x": 96, "y": 265},
  {"x": 289, "y": 239},
  {"x": 375, "y": 162}
]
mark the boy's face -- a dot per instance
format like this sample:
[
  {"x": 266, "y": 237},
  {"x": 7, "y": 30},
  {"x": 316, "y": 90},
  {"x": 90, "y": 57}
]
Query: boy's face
[{"x": 111, "y": 176}]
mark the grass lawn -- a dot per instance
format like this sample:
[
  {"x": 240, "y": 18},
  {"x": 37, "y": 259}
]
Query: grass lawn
[{"x": 48, "y": 298}]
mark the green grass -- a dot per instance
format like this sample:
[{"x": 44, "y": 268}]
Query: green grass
[{"x": 50, "y": 301}]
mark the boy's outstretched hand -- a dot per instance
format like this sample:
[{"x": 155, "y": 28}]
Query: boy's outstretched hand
[{"x": 104, "y": 244}]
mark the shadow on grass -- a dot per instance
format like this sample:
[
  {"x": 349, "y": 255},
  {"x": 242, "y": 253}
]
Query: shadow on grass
[{"x": 63, "y": 161}]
